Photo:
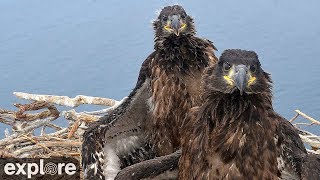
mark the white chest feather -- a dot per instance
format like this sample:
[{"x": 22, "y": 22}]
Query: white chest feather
[{"x": 113, "y": 151}]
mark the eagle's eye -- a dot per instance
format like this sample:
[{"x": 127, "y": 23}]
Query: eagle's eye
[
  {"x": 183, "y": 16},
  {"x": 164, "y": 18},
  {"x": 253, "y": 68},
  {"x": 226, "y": 66}
]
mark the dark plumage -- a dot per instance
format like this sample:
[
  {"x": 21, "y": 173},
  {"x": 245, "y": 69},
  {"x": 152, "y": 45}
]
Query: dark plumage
[
  {"x": 148, "y": 123},
  {"x": 236, "y": 134}
]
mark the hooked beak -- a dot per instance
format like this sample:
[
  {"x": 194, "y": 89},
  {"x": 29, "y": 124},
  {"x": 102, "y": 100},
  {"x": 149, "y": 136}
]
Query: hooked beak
[
  {"x": 175, "y": 25},
  {"x": 241, "y": 77}
]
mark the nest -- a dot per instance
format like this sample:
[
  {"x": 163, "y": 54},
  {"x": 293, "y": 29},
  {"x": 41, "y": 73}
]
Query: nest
[{"x": 26, "y": 135}]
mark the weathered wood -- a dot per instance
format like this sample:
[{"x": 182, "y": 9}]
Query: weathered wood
[{"x": 67, "y": 101}]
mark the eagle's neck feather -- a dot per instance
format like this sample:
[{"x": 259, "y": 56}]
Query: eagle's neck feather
[
  {"x": 179, "y": 54},
  {"x": 241, "y": 132},
  {"x": 234, "y": 109}
]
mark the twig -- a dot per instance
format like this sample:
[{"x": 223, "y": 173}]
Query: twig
[
  {"x": 11, "y": 117},
  {"x": 294, "y": 118},
  {"x": 46, "y": 144},
  {"x": 73, "y": 115},
  {"x": 31, "y": 107},
  {"x": 4, "y": 121},
  {"x": 74, "y": 128},
  {"x": 35, "y": 125},
  {"x": 311, "y": 142},
  {"x": 313, "y": 151},
  {"x": 309, "y": 138},
  {"x": 308, "y": 117},
  {"x": 37, "y": 143},
  {"x": 53, "y": 126},
  {"x": 4, "y": 154},
  {"x": 104, "y": 111},
  {"x": 58, "y": 133},
  {"x": 305, "y": 124}
]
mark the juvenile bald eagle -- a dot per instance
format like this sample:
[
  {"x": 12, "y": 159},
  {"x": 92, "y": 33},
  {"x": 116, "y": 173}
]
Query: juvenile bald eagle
[
  {"x": 236, "y": 134},
  {"x": 148, "y": 123}
]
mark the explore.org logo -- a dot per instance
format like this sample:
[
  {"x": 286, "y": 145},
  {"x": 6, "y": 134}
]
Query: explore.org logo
[
  {"x": 45, "y": 168},
  {"x": 35, "y": 168}
]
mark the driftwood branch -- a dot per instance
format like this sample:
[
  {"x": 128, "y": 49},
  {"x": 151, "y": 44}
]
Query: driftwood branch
[
  {"x": 104, "y": 111},
  {"x": 73, "y": 115},
  {"x": 308, "y": 117},
  {"x": 311, "y": 139},
  {"x": 67, "y": 101},
  {"x": 307, "y": 137}
]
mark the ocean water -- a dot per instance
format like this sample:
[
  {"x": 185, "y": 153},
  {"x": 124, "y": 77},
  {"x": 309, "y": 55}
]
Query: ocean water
[{"x": 96, "y": 47}]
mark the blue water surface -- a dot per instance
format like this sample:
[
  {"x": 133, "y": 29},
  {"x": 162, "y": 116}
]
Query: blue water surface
[{"x": 96, "y": 47}]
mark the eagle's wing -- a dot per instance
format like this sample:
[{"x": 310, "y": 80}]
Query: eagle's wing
[
  {"x": 157, "y": 168},
  {"x": 194, "y": 143},
  {"x": 306, "y": 165},
  {"x": 310, "y": 167},
  {"x": 290, "y": 136},
  {"x": 118, "y": 132},
  {"x": 209, "y": 50}
]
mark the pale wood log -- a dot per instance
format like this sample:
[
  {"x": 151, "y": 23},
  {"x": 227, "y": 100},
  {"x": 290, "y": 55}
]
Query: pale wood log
[{"x": 67, "y": 101}]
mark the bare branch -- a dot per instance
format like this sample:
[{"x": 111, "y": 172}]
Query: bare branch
[
  {"x": 73, "y": 115},
  {"x": 308, "y": 117},
  {"x": 104, "y": 111},
  {"x": 74, "y": 128},
  {"x": 67, "y": 101},
  {"x": 294, "y": 118},
  {"x": 313, "y": 151},
  {"x": 26, "y": 130},
  {"x": 309, "y": 138}
]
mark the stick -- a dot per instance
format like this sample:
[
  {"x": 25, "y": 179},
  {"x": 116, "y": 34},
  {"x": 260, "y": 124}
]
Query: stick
[
  {"x": 74, "y": 128},
  {"x": 35, "y": 125},
  {"x": 308, "y": 117},
  {"x": 104, "y": 111},
  {"x": 73, "y": 115},
  {"x": 67, "y": 101}
]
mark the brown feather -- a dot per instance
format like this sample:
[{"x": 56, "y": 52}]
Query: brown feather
[
  {"x": 233, "y": 136},
  {"x": 175, "y": 89},
  {"x": 169, "y": 84}
]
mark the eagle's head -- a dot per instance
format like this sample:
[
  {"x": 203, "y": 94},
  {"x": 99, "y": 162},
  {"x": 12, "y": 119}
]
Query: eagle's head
[
  {"x": 173, "y": 21},
  {"x": 238, "y": 71}
]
